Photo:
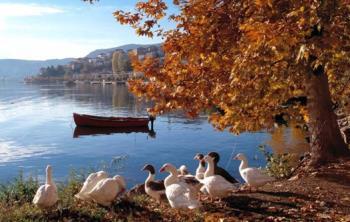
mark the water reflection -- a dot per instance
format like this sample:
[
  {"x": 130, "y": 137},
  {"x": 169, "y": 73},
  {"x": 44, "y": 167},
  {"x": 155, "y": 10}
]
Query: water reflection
[
  {"x": 10, "y": 151},
  {"x": 289, "y": 140},
  {"x": 94, "y": 131},
  {"x": 102, "y": 96}
]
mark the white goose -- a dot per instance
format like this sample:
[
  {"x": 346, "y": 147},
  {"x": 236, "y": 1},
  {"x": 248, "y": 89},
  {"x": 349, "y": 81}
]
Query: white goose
[
  {"x": 201, "y": 166},
  {"x": 106, "y": 190},
  {"x": 90, "y": 183},
  {"x": 216, "y": 185},
  {"x": 46, "y": 196},
  {"x": 178, "y": 193},
  {"x": 200, "y": 172},
  {"x": 254, "y": 177},
  {"x": 183, "y": 171}
]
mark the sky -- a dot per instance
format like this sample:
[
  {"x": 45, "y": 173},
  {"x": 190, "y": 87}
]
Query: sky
[{"x": 50, "y": 29}]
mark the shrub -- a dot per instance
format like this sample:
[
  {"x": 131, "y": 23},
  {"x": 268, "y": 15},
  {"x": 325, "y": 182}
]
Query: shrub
[
  {"x": 278, "y": 165},
  {"x": 20, "y": 191}
]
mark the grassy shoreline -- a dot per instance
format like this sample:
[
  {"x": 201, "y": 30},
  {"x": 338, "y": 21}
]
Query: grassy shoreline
[{"x": 323, "y": 195}]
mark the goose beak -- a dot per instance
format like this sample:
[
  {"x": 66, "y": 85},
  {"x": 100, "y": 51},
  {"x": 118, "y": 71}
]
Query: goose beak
[{"x": 162, "y": 169}]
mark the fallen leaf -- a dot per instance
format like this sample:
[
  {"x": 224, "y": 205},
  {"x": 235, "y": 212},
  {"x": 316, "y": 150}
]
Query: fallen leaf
[
  {"x": 323, "y": 216},
  {"x": 272, "y": 209}
]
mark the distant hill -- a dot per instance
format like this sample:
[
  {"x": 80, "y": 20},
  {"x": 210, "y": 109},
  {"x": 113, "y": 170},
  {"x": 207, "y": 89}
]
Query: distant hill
[
  {"x": 16, "y": 68},
  {"x": 97, "y": 52}
]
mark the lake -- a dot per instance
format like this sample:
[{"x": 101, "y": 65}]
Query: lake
[{"x": 37, "y": 128}]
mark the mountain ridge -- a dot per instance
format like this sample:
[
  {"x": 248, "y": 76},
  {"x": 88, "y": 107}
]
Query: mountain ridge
[
  {"x": 126, "y": 47},
  {"x": 19, "y": 68}
]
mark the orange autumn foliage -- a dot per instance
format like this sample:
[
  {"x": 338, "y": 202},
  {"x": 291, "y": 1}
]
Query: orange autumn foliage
[{"x": 245, "y": 58}]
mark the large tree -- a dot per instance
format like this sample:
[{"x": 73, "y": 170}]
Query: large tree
[{"x": 247, "y": 58}]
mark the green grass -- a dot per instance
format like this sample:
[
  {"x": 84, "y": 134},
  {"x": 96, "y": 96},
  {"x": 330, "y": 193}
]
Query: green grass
[
  {"x": 16, "y": 203},
  {"x": 19, "y": 191}
]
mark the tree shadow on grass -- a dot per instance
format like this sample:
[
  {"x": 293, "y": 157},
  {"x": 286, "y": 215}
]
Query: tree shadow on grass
[{"x": 286, "y": 195}]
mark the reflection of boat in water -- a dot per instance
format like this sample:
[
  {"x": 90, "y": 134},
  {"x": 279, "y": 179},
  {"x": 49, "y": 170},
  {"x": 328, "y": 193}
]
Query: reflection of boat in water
[
  {"x": 93, "y": 131},
  {"x": 70, "y": 83},
  {"x": 98, "y": 121}
]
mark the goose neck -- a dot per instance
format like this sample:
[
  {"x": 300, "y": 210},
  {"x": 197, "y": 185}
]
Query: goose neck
[
  {"x": 171, "y": 179},
  {"x": 48, "y": 177},
  {"x": 150, "y": 177},
  {"x": 210, "y": 170},
  {"x": 244, "y": 164},
  {"x": 200, "y": 166}
]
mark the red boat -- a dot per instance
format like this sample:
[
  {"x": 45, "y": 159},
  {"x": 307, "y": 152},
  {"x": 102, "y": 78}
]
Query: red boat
[{"x": 99, "y": 121}]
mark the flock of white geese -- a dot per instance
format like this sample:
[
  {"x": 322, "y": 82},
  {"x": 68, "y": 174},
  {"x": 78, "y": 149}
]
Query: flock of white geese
[{"x": 181, "y": 189}]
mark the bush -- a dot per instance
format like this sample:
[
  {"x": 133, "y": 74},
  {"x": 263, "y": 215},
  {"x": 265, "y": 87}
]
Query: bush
[
  {"x": 19, "y": 191},
  {"x": 278, "y": 165}
]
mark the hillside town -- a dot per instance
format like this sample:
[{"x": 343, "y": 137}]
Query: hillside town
[{"x": 107, "y": 67}]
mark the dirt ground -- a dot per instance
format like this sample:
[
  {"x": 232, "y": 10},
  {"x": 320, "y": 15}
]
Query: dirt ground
[{"x": 322, "y": 195}]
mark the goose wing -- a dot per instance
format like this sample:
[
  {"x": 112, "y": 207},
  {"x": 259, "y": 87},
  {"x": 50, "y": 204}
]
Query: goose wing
[
  {"x": 219, "y": 183},
  {"x": 39, "y": 195},
  {"x": 222, "y": 172},
  {"x": 46, "y": 196},
  {"x": 156, "y": 185},
  {"x": 255, "y": 175},
  {"x": 90, "y": 183},
  {"x": 105, "y": 191},
  {"x": 189, "y": 179},
  {"x": 179, "y": 196}
]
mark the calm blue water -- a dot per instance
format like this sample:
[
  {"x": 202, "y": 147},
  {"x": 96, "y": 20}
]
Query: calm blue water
[{"x": 37, "y": 128}]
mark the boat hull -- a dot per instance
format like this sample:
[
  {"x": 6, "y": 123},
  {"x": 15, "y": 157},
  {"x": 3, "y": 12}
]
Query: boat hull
[{"x": 97, "y": 121}]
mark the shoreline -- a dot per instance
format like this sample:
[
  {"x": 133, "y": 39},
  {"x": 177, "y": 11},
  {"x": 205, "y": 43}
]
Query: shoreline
[{"x": 323, "y": 195}]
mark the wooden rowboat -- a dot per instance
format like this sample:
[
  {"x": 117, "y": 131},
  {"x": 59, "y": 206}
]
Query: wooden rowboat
[{"x": 99, "y": 121}]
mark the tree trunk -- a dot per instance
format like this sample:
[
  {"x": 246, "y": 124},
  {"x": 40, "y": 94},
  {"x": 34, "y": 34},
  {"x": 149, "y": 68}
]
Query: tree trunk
[{"x": 326, "y": 142}]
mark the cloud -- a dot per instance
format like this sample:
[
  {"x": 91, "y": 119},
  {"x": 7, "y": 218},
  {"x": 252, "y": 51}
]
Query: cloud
[
  {"x": 24, "y": 10},
  {"x": 8, "y": 10},
  {"x": 26, "y": 47}
]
